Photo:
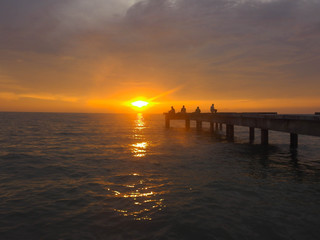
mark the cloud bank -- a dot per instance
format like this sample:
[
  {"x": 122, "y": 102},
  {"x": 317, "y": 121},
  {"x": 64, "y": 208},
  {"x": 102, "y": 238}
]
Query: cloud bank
[{"x": 225, "y": 49}]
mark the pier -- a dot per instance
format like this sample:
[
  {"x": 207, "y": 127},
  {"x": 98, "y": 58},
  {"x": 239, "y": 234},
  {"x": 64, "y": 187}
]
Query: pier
[{"x": 294, "y": 124}]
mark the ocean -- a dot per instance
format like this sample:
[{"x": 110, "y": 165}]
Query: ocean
[{"x": 124, "y": 176}]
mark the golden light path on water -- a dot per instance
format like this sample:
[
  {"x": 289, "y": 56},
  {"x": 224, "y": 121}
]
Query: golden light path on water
[
  {"x": 142, "y": 191},
  {"x": 139, "y": 149}
]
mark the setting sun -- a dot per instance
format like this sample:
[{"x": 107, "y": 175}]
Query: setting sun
[{"x": 139, "y": 104}]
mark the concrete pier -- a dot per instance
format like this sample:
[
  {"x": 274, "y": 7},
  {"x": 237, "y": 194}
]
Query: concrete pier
[{"x": 305, "y": 124}]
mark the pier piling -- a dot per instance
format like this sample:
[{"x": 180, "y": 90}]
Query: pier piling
[
  {"x": 293, "y": 140},
  {"x": 230, "y": 132},
  {"x": 211, "y": 127},
  {"x": 264, "y": 136},
  {"x": 167, "y": 122},
  {"x": 199, "y": 125},
  {"x": 187, "y": 123},
  {"x": 251, "y": 134}
]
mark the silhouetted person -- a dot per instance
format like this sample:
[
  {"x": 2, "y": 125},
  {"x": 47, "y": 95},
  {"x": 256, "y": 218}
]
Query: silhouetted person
[
  {"x": 172, "y": 111},
  {"x": 198, "y": 110},
  {"x": 183, "y": 109},
  {"x": 212, "y": 110}
]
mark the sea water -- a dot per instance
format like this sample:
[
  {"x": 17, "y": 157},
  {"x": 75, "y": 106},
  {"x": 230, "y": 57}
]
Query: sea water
[{"x": 109, "y": 176}]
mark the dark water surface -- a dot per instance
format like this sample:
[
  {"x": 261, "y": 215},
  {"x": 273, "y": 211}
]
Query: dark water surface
[{"x": 103, "y": 176}]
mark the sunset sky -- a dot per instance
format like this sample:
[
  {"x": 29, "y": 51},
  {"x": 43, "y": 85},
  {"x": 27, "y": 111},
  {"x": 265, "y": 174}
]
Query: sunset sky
[{"x": 99, "y": 55}]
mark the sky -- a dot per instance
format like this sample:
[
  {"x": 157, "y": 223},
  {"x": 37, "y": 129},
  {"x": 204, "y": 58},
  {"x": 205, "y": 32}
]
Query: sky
[{"x": 99, "y": 55}]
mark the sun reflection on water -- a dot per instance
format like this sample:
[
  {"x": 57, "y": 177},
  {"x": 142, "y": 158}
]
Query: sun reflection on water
[
  {"x": 139, "y": 149},
  {"x": 139, "y": 122},
  {"x": 141, "y": 195},
  {"x": 139, "y": 126}
]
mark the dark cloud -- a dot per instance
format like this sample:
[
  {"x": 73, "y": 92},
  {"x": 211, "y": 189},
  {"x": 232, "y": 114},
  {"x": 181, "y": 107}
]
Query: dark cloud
[
  {"x": 29, "y": 25},
  {"x": 278, "y": 39},
  {"x": 50, "y": 26}
]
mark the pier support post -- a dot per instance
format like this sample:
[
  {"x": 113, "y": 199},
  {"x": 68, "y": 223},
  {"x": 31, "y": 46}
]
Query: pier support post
[
  {"x": 211, "y": 127},
  {"x": 220, "y": 126},
  {"x": 293, "y": 140},
  {"x": 251, "y": 134},
  {"x": 264, "y": 136},
  {"x": 187, "y": 123},
  {"x": 167, "y": 122},
  {"x": 230, "y": 132},
  {"x": 199, "y": 125}
]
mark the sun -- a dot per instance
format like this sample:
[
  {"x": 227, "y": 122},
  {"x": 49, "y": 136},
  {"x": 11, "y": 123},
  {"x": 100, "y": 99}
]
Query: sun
[{"x": 139, "y": 104}]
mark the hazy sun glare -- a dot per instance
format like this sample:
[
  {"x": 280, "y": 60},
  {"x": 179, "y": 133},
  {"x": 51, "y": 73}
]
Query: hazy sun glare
[{"x": 139, "y": 104}]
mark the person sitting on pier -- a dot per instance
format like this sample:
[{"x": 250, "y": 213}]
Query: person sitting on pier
[
  {"x": 183, "y": 109},
  {"x": 198, "y": 110},
  {"x": 212, "y": 109},
  {"x": 172, "y": 111}
]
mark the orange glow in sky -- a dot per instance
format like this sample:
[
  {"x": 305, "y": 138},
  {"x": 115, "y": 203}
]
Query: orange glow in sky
[{"x": 123, "y": 64}]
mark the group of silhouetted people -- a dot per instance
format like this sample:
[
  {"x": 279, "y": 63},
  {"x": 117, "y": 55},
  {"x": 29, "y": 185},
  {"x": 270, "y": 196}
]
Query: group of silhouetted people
[{"x": 183, "y": 110}]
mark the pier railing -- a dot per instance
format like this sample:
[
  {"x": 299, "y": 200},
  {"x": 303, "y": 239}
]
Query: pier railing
[{"x": 305, "y": 124}]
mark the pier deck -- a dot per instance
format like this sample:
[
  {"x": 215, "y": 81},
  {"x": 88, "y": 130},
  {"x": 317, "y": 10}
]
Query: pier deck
[{"x": 294, "y": 124}]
